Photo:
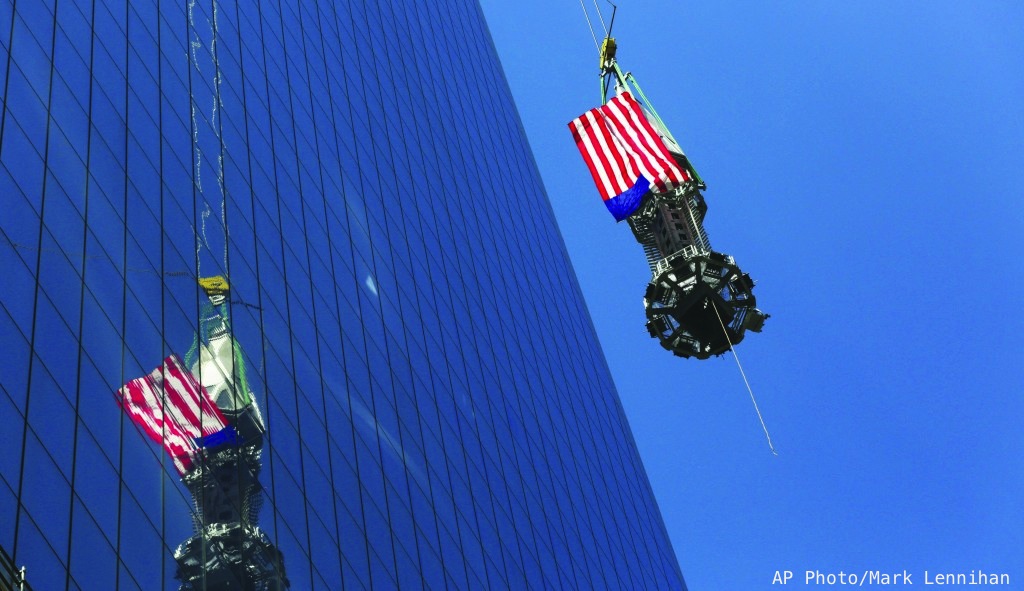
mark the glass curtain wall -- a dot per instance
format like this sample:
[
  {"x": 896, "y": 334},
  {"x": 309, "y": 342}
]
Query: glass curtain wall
[{"x": 285, "y": 306}]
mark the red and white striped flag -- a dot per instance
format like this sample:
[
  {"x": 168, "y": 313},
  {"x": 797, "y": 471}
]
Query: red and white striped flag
[
  {"x": 174, "y": 409},
  {"x": 620, "y": 146}
]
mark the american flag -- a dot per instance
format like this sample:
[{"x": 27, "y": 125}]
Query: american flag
[
  {"x": 620, "y": 147},
  {"x": 174, "y": 409}
]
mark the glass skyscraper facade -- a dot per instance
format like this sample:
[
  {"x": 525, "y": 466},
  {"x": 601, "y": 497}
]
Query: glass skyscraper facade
[{"x": 318, "y": 223}]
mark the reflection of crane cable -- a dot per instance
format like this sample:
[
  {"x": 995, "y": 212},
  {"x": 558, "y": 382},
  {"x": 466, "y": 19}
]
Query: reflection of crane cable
[
  {"x": 214, "y": 121},
  {"x": 587, "y": 16},
  {"x": 217, "y": 126},
  {"x": 742, "y": 373},
  {"x": 185, "y": 274}
]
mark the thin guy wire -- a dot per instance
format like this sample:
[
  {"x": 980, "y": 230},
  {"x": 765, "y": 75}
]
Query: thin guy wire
[{"x": 742, "y": 373}]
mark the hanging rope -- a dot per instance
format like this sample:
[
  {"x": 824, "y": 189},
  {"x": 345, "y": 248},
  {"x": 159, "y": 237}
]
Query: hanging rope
[{"x": 744, "y": 374}]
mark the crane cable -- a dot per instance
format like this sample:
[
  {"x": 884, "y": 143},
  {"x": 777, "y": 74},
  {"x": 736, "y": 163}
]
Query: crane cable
[
  {"x": 601, "y": 16},
  {"x": 745, "y": 381},
  {"x": 587, "y": 16}
]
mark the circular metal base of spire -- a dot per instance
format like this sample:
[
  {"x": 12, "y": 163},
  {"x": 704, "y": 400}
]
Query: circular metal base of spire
[
  {"x": 230, "y": 557},
  {"x": 690, "y": 301}
]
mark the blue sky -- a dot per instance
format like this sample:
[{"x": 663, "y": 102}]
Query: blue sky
[{"x": 863, "y": 164}]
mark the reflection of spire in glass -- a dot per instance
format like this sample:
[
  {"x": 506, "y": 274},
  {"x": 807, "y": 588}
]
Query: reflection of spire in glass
[
  {"x": 219, "y": 365},
  {"x": 216, "y": 358},
  {"x": 228, "y": 549}
]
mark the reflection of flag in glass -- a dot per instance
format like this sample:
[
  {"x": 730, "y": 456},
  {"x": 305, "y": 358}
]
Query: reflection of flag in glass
[
  {"x": 624, "y": 154},
  {"x": 174, "y": 410}
]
